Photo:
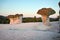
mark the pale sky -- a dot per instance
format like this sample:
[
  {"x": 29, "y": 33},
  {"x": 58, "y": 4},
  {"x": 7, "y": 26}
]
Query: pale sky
[{"x": 28, "y": 8}]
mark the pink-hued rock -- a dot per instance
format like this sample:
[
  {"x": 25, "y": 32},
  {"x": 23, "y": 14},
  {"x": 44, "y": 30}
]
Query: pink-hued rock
[
  {"x": 45, "y": 13},
  {"x": 15, "y": 19}
]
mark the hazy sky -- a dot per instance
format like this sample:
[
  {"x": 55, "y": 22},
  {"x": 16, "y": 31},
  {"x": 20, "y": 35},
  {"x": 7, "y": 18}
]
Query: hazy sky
[{"x": 28, "y": 8}]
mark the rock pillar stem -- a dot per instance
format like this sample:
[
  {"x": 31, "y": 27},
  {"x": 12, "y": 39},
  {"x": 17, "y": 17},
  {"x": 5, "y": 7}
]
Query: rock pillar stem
[{"x": 45, "y": 20}]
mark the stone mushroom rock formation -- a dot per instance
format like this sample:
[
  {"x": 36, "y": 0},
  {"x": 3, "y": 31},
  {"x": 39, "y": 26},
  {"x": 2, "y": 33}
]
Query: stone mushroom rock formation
[
  {"x": 45, "y": 13},
  {"x": 15, "y": 19}
]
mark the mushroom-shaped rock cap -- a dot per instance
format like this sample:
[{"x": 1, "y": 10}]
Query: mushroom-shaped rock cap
[
  {"x": 10, "y": 16},
  {"x": 46, "y": 11},
  {"x": 18, "y": 15},
  {"x": 14, "y": 16}
]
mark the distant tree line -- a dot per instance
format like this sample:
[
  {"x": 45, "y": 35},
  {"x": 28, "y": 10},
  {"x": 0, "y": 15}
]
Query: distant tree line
[
  {"x": 54, "y": 19},
  {"x": 30, "y": 19},
  {"x": 5, "y": 20},
  {"x": 34, "y": 19}
]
